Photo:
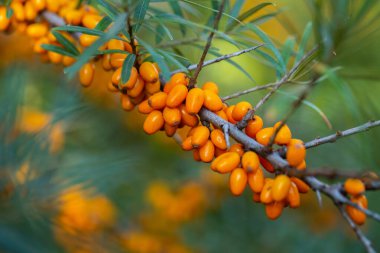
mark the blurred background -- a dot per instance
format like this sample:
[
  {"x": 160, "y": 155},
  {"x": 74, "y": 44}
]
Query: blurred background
[{"x": 78, "y": 174}]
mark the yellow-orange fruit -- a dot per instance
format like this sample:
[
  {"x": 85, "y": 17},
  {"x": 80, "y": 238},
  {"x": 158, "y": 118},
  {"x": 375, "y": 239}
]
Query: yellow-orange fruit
[
  {"x": 149, "y": 72},
  {"x": 212, "y": 101},
  {"x": 170, "y": 130},
  {"x": 90, "y": 20},
  {"x": 53, "y": 5},
  {"x": 254, "y": 126},
  {"x": 87, "y": 40},
  {"x": 354, "y": 186},
  {"x": 238, "y": 181},
  {"x": 152, "y": 88},
  {"x": 68, "y": 61},
  {"x": 172, "y": 116},
  {"x": 237, "y": 148},
  {"x": 158, "y": 100},
  {"x": 256, "y": 180},
  {"x": 18, "y": 10},
  {"x": 111, "y": 87},
  {"x": 128, "y": 47},
  {"x": 126, "y": 102},
  {"x": 144, "y": 107},
  {"x": 219, "y": 151},
  {"x": 206, "y": 152},
  {"x": 283, "y": 136},
  {"x": 37, "y": 45},
  {"x": 266, "y": 192},
  {"x": 362, "y": 199},
  {"x": 55, "y": 57},
  {"x": 36, "y": 30},
  {"x": 296, "y": 152},
  {"x": 116, "y": 78},
  {"x": 200, "y": 136},
  {"x": 154, "y": 122},
  {"x": 280, "y": 188},
  {"x": 4, "y": 21},
  {"x": 74, "y": 17},
  {"x": 250, "y": 161},
  {"x": 222, "y": 114},
  {"x": 106, "y": 62},
  {"x": 226, "y": 162},
  {"x": 86, "y": 74},
  {"x": 176, "y": 79},
  {"x": 218, "y": 138},
  {"x": 137, "y": 88},
  {"x": 356, "y": 215},
  {"x": 186, "y": 144},
  {"x": 176, "y": 96},
  {"x": 266, "y": 164},
  {"x": 301, "y": 166},
  {"x": 264, "y": 135},
  {"x": 39, "y": 4},
  {"x": 211, "y": 86},
  {"x": 256, "y": 197},
  {"x": 117, "y": 59},
  {"x": 301, "y": 185},
  {"x": 194, "y": 100},
  {"x": 196, "y": 155},
  {"x": 139, "y": 99},
  {"x": 30, "y": 11},
  {"x": 274, "y": 210},
  {"x": 229, "y": 111},
  {"x": 293, "y": 198},
  {"x": 186, "y": 118},
  {"x": 115, "y": 44},
  {"x": 240, "y": 110}
]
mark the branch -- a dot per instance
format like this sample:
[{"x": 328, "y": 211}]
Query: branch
[
  {"x": 244, "y": 92},
  {"x": 193, "y": 79}
]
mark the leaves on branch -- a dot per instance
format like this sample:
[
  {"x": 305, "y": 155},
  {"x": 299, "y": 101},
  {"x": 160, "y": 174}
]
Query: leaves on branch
[
  {"x": 127, "y": 67},
  {"x": 139, "y": 13}
]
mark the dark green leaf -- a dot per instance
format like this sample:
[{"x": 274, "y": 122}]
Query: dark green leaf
[
  {"x": 127, "y": 67},
  {"x": 67, "y": 44},
  {"x": 304, "y": 40},
  {"x": 111, "y": 51},
  {"x": 140, "y": 12},
  {"x": 9, "y": 12},
  {"x": 104, "y": 23},
  {"x": 288, "y": 49},
  {"x": 178, "y": 11},
  {"x": 57, "y": 49},
  {"x": 235, "y": 11},
  {"x": 80, "y": 29}
]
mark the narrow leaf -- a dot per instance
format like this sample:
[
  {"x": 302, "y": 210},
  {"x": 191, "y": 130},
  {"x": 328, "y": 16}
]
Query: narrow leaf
[
  {"x": 304, "y": 40},
  {"x": 67, "y": 44},
  {"x": 57, "y": 49},
  {"x": 103, "y": 24},
  {"x": 178, "y": 11},
  {"x": 127, "y": 66},
  {"x": 140, "y": 12}
]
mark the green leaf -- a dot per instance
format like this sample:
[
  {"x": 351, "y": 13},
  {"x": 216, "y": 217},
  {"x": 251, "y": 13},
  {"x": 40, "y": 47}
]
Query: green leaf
[
  {"x": 66, "y": 43},
  {"x": 58, "y": 50},
  {"x": 111, "y": 51},
  {"x": 9, "y": 12},
  {"x": 127, "y": 67},
  {"x": 303, "y": 43},
  {"x": 79, "y": 29},
  {"x": 169, "y": 56},
  {"x": 103, "y": 24},
  {"x": 140, "y": 12},
  {"x": 235, "y": 11},
  {"x": 288, "y": 49},
  {"x": 176, "y": 8}
]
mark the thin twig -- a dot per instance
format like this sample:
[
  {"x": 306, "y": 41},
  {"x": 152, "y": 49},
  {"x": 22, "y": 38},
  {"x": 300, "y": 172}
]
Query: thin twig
[
  {"x": 243, "y": 92},
  {"x": 175, "y": 43},
  {"x": 193, "y": 79},
  {"x": 226, "y": 136}
]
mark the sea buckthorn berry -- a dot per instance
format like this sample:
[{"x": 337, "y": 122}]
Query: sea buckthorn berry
[
  {"x": 240, "y": 110},
  {"x": 149, "y": 72},
  {"x": 30, "y": 11},
  {"x": 283, "y": 136},
  {"x": 354, "y": 186},
  {"x": 294, "y": 199},
  {"x": 362, "y": 199},
  {"x": 158, "y": 100},
  {"x": 87, "y": 40},
  {"x": 144, "y": 107},
  {"x": 280, "y": 188},
  {"x": 179, "y": 78},
  {"x": 207, "y": 152},
  {"x": 4, "y": 21},
  {"x": 111, "y": 87},
  {"x": 68, "y": 60},
  {"x": 115, "y": 44},
  {"x": 250, "y": 161},
  {"x": 186, "y": 144},
  {"x": 266, "y": 193},
  {"x": 139, "y": 99},
  {"x": 200, "y": 136},
  {"x": 172, "y": 116},
  {"x": 355, "y": 214},
  {"x": 266, "y": 164},
  {"x": 74, "y": 17},
  {"x": 39, "y": 4},
  {"x": 154, "y": 122},
  {"x": 137, "y": 88},
  {"x": 256, "y": 180},
  {"x": 196, "y": 155},
  {"x": 106, "y": 62},
  {"x": 222, "y": 114},
  {"x": 219, "y": 151},
  {"x": 229, "y": 111},
  {"x": 237, "y": 148},
  {"x": 296, "y": 152},
  {"x": 18, "y": 10},
  {"x": 86, "y": 74},
  {"x": 211, "y": 86},
  {"x": 128, "y": 47},
  {"x": 218, "y": 138},
  {"x": 90, "y": 20},
  {"x": 55, "y": 57},
  {"x": 254, "y": 126},
  {"x": 194, "y": 100},
  {"x": 126, "y": 103},
  {"x": 264, "y": 135},
  {"x": 152, "y": 88},
  {"x": 132, "y": 78},
  {"x": 256, "y": 197},
  {"x": 226, "y": 162},
  {"x": 301, "y": 185},
  {"x": 186, "y": 118},
  {"x": 212, "y": 101},
  {"x": 117, "y": 59},
  {"x": 53, "y": 5},
  {"x": 238, "y": 181},
  {"x": 37, "y": 30},
  {"x": 38, "y": 45},
  {"x": 170, "y": 130},
  {"x": 176, "y": 96},
  {"x": 274, "y": 210},
  {"x": 301, "y": 166}
]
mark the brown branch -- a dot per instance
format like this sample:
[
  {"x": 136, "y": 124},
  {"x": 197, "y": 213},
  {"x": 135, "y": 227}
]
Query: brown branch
[{"x": 193, "y": 79}]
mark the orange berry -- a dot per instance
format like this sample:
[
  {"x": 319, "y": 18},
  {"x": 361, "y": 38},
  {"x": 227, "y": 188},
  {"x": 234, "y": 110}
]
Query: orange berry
[
  {"x": 30, "y": 11},
  {"x": 266, "y": 193},
  {"x": 115, "y": 44},
  {"x": 52, "y": 5},
  {"x": 264, "y": 135},
  {"x": 211, "y": 87},
  {"x": 144, "y": 107},
  {"x": 152, "y": 88},
  {"x": 212, "y": 101},
  {"x": 240, "y": 110},
  {"x": 137, "y": 88},
  {"x": 266, "y": 164},
  {"x": 254, "y": 126},
  {"x": 39, "y": 4},
  {"x": 256, "y": 180},
  {"x": 206, "y": 152},
  {"x": 111, "y": 87},
  {"x": 74, "y": 17},
  {"x": 250, "y": 161},
  {"x": 149, "y": 72},
  {"x": 226, "y": 162},
  {"x": 68, "y": 61},
  {"x": 170, "y": 130},
  {"x": 86, "y": 74},
  {"x": 200, "y": 136},
  {"x": 354, "y": 186},
  {"x": 280, "y": 188},
  {"x": 362, "y": 199},
  {"x": 237, "y": 148},
  {"x": 154, "y": 122},
  {"x": 128, "y": 47},
  {"x": 229, "y": 111},
  {"x": 158, "y": 100},
  {"x": 186, "y": 144},
  {"x": 106, "y": 62},
  {"x": 196, "y": 155},
  {"x": 256, "y": 197},
  {"x": 4, "y": 21},
  {"x": 55, "y": 57},
  {"x": 87, "y": 40},
  {"x": 238, "y": 181},
  {"x": 37, "y": 30},
  {"x": 90, "y": 20},
  {"x": 356, "y": 215},
  {"x": 139, "y": 99},
  {"x": 222, "y": 114},
  {"x": 301, "y": 166},
  {"x": 274, "y": 210},
  {"x": 126, "y": 102},
  {"x": 301, "y": 185},
  {"x": 294, "y": 199},
  {"x": 117, "y": 59},
  {"x": 176, "y": 79},
  {"x": 18, "y": 10},
  {"x": 284, "y": 135},
  {"x": 116, "y": 78},
  {"x": 296, "y": 152},
  {"x": 194, "y": 100},
  {"x": 37, "y": 45},
  {"x": 176, "y": 96},
  {"x": 217, "y": 137},
  {"x": 186, "y": 118},
  {"x": 172, "y": 116},
  {"x": 219, "y": 151}
]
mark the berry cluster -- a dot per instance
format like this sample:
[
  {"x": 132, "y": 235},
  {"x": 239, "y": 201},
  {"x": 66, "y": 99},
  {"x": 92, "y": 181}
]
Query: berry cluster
[{"x": 355, "y": 188}]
